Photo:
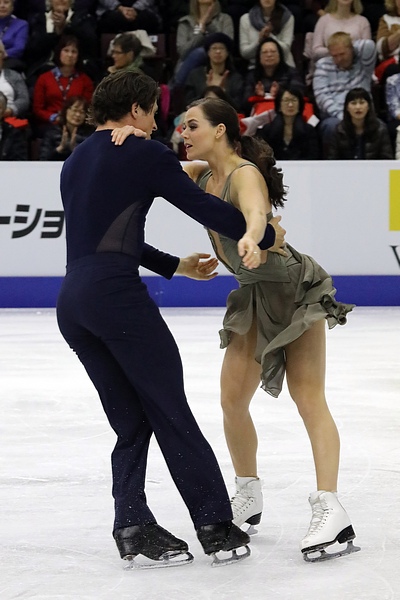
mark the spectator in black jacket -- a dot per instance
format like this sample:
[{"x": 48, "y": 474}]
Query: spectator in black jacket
[
  {"x": 270, "y": 72},
  {"x": 62, "y": 18},
  {"x": 13, "y": 140},
  {"x": 360, "y": 135},
  {"x": 59, "y": 142},
  {"x": 290, "y": 137}
]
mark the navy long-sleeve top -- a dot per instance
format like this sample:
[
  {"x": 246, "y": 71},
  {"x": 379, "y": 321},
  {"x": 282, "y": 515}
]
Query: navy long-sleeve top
[{"x": 107, "y": 191}]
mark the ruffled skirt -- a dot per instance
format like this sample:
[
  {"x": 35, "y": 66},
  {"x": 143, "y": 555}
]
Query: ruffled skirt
[{"x": 283, "y": 310}]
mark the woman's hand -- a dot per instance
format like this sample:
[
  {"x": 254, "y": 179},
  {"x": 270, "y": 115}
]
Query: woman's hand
[
  {"x": 249, "y": 251},
  {"x": 265, "y": 31},
  {"x": 273, "y": 90},
  {"x": 72, "y": 143},
  {"x": 64, "y": 143},
  {"x": 119, "y": 135},
  {"x": 195, "y": 267},
  {"x": 259, "y": 89}
]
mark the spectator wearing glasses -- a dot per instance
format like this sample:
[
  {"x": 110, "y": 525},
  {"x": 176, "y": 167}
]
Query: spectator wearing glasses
[
  {"x": 289, "y": 136},
  {"x": 59, "y": 142}
]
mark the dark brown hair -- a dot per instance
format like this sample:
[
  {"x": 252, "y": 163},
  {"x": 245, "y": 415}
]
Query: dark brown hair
[
  {"x": 113, "y": 97},
  {"x": 254, "y": 150}
]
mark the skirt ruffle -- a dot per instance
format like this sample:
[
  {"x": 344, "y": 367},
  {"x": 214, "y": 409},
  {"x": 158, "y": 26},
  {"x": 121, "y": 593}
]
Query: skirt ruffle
[{"x": 283, "y": 312}]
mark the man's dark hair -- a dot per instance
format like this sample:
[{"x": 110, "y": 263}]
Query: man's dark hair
[{"x": 113, "y": 97}]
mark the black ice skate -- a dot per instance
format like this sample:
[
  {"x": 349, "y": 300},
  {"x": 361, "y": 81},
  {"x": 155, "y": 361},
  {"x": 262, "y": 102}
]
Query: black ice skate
[
  {"x": 154, "y": 542},
  {"x": 223, "y": 537},
  {"x": 329, "y": 525}
]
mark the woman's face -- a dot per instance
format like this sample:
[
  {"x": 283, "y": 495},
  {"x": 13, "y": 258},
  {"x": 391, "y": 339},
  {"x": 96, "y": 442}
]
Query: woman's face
[
  {"x": 358, "y": 109},
  {"x": 198, "y": 134},
  {"x": 268, "y": 4},
  {"x": 121, "y": 59},
  {"x": 76, "y": 114},
  {"x": 289, "y": 105},
  {"x": 217, "y": 53},
  {"x": 69, "y": 55},
  {"x": 269, "y": 55},
  {"x": 6, "y": 8},
  {"x": 345, "y": 3}
]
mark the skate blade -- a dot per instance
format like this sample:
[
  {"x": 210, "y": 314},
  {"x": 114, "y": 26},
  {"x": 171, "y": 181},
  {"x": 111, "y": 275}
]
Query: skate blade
[
  {"x": 167, "y": 560},
  {"x": 235, "y": 557},
  {"x": 350, "y": 549},
  {"x": 251, "y": 530}
]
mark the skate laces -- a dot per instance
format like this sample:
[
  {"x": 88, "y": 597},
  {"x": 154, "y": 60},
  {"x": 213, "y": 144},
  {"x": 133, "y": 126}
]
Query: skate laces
[
  {"x": 320, "y": 514},
  {"x": 240, "y": 502}
]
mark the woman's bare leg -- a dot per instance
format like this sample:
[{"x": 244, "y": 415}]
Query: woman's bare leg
[
  {"x": 305, "y": 371},
  {"x": 240, "y": 377}
]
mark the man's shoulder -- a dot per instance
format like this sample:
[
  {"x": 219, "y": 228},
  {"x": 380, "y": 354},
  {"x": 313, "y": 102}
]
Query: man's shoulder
[
  {"x": 325, "y": 65},
  {"x": 393, "y": 80}
]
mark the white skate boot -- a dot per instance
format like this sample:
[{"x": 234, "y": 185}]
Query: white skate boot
[
  {"x": 247, "y": 503},
  {"x": 329, "y": 524}
]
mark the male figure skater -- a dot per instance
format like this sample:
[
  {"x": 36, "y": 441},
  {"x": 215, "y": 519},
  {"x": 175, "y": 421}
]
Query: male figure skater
[{"x": 107, "y": 317}]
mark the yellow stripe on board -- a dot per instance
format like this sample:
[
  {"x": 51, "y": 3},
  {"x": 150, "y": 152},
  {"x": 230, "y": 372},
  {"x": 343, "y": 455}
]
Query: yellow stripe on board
[{"x": 394, "y": 198}]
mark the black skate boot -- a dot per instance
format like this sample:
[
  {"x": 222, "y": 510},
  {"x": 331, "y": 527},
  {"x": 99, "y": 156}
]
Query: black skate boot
[
  {"x": 154, "y": 542},
  {"x": 225, "y": 537}
]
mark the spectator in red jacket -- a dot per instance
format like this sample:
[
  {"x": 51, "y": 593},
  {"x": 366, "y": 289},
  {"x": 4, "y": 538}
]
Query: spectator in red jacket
[{"x": 54, "y": 87}]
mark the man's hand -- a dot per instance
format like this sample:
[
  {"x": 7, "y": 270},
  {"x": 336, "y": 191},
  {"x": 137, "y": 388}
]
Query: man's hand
[
  {"x": 279, "y": 246},
  {"x": 119, "y": 135},
  {"x": 195, "y": 267},
  {"x": 249, "y": 251}
]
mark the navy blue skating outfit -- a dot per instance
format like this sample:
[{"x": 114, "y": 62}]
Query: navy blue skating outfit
[{"x": 107, "y": 317}]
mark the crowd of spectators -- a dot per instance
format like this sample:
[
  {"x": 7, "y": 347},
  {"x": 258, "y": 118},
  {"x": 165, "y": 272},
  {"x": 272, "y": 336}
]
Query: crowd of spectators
[{"x": 317, "y": 79}]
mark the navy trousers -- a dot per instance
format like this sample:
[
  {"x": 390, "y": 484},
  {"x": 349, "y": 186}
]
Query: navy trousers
[{"x": 108, "y": 318}]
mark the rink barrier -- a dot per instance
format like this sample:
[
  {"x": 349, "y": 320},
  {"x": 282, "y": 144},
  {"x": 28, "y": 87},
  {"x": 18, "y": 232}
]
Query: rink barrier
[
  {"x": 41, "y": 292},
  {"x": 346, "y": 214}
]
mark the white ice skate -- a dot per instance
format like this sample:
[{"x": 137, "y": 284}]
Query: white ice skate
[
  {"x": 247, "y": 503},
  {"x": 329, "y": 524}
]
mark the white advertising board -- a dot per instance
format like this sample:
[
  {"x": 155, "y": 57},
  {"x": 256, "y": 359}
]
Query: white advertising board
[{"x": 344, "y": 213}]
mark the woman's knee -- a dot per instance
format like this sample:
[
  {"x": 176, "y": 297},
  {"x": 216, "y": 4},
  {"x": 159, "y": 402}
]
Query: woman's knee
[{"x": 310, "y": 403}]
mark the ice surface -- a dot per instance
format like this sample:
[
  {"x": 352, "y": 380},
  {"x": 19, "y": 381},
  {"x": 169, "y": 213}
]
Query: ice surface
[{"x": 55, "y": 486}]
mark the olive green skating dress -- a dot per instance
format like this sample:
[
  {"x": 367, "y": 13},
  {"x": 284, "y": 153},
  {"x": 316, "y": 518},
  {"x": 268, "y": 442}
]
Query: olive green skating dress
[{"x": 286, "y": 296}]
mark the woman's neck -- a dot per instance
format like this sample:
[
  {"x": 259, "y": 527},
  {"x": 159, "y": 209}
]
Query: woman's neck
[
  {"x": 218, "y": 68},
  {"x": 289, "y": 120},
  {"x": 222, "y": 162},
  {"x": 267, "y": 12},
  {"x": 359, "y": 126},
  {"x": 203, "y": 9},
  {"x": 269, "y": 71},
  {"x": 67, "y": 71},
  {"x": 344, "y": 11}
]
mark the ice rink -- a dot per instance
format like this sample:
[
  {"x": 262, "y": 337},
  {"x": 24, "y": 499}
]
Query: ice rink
[{"x": 55, "y": 494}]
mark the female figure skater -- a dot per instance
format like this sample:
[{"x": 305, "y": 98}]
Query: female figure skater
[{"x": 274, "y": 324}]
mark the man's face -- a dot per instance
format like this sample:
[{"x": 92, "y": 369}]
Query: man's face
[
  {"x": 342, "y": 55},
  {"x": 6, "y": 8},
  {"x": 61, "y": 6}
]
